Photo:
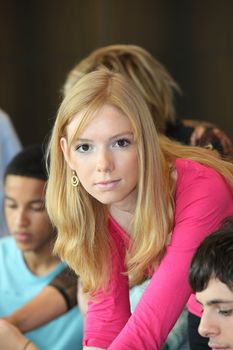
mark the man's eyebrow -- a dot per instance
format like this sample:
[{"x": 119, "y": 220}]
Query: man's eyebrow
[
  {"x": 8, "y": 197},
  {"x": 219, "y": 301},
  {"x": 216, "y": 301},
  {"x": 34, "y": 201}
]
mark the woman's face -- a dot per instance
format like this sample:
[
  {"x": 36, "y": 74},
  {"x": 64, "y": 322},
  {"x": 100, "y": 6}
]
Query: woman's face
[{"x": 105, "y": 157}]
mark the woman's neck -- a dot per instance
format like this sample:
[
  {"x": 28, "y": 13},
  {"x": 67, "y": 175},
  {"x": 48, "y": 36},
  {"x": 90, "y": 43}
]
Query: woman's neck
[
  {"x": 123, "y": 211},
  {"x": 123, "y": 217}
]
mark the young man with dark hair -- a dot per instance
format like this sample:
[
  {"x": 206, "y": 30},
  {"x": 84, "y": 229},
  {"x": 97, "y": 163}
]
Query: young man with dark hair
[
  {"x": 27, "y": 263},
  {"x": 211, "y": 278}
]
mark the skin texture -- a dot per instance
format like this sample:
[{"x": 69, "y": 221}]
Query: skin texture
[
  {"x": 217, "y": 317},
  {"x": 105, "y": 160}
]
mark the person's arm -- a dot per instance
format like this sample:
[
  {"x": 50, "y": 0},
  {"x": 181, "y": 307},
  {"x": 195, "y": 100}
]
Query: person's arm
[
  {"x": 53, "y": 301},
  {"x": 92, "y": 348},
  {"x": 109, "y": 311},
  {"x": 83, "y": 305},
  {"x": 12, "y": 339},
  {"x": 46, "y": 306},
  {"x": 202, "y": 201}
]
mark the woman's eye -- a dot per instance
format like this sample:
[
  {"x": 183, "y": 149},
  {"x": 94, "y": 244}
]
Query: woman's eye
[
  {"x": 226, "y": 312},
  {"x": 83, "y": 148},
  {"x": 122, "y": 143}
]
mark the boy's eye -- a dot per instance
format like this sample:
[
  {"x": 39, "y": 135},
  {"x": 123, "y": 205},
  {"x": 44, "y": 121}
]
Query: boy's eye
[
  {"x": 11, "y": 205},
  {"x": 38, "y": 207},
  {"x": 226, "y": 312}
]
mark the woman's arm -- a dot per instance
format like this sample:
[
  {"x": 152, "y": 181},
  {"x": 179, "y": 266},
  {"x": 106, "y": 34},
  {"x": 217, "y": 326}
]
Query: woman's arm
[
  {"x": 109, "y": 311},
  {"x": 202, "y": 200},
  {"x": 91, "y": 348},
  {"x": 12, "y": 339}
]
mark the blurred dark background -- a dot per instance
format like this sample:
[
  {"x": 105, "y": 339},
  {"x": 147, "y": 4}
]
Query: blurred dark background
[{"x": 41, "y": 40}]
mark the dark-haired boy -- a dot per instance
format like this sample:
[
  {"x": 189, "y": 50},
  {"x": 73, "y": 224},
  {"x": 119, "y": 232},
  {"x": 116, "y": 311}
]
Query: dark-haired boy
[
  {"x": 27, "y": 264},
  {"x": 211, "y": 278}
]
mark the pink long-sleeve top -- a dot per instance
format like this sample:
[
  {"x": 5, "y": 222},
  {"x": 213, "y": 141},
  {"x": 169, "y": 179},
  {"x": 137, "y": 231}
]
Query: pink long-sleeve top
[{"x": 202, "y": 200}]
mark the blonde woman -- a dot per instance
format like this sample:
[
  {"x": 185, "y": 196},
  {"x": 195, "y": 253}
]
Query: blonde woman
[{"x": 129, "y": 205}]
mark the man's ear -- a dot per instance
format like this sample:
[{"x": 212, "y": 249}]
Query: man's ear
[{"x": 64, "y": 147}]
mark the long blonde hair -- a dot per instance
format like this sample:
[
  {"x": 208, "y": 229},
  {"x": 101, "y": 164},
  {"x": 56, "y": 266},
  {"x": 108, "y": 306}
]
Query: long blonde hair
[
  {"x": 150, "y": 76},
  {"x": 83, "y": 238}
]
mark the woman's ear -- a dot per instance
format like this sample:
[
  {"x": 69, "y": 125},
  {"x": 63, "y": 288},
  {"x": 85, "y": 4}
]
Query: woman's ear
[{"x": 64, "y": 147}]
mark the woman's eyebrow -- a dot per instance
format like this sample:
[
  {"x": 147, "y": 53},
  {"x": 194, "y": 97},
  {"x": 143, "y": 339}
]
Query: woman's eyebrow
[
  {"x": 125, "y": 133},
  {"x": 84, "y": 140}
]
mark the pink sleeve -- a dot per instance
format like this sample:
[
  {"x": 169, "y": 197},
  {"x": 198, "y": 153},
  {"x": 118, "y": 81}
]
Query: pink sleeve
[
  {"x": 202, "y": 201},
  {"x": 106, "y": 317}
]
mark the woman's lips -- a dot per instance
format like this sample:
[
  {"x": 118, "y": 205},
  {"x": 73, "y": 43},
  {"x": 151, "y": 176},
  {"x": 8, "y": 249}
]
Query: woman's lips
[{"x": 107, "y": 185}]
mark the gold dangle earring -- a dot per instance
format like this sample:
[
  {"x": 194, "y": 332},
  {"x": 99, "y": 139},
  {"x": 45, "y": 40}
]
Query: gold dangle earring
[{"x": 74, "y": 179}]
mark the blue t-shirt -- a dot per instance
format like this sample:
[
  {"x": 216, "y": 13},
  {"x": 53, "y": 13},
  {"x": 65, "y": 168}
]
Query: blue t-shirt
[{"x": 18, "y": 285}]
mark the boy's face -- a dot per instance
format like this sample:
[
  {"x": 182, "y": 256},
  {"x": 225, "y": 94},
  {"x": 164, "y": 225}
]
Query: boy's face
[
  {"x": 217, "y": 317},
  {"x": 26, "y": 216}
]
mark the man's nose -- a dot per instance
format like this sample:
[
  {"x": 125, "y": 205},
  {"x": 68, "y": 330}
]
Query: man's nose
[
  {"x": 21, "y": 217},
  {"x": 208, "y": 326}
]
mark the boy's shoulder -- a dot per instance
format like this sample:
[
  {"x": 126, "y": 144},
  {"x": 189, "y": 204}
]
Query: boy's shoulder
[{"x": 7, "y": 245}]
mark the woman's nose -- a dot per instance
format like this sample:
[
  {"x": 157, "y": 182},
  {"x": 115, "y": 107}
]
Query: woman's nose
[{"x": 105, "y": 161}]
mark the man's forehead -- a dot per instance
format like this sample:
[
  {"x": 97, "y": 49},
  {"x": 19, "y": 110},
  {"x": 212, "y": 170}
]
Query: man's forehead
[{"x": 216, "y": 292}]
